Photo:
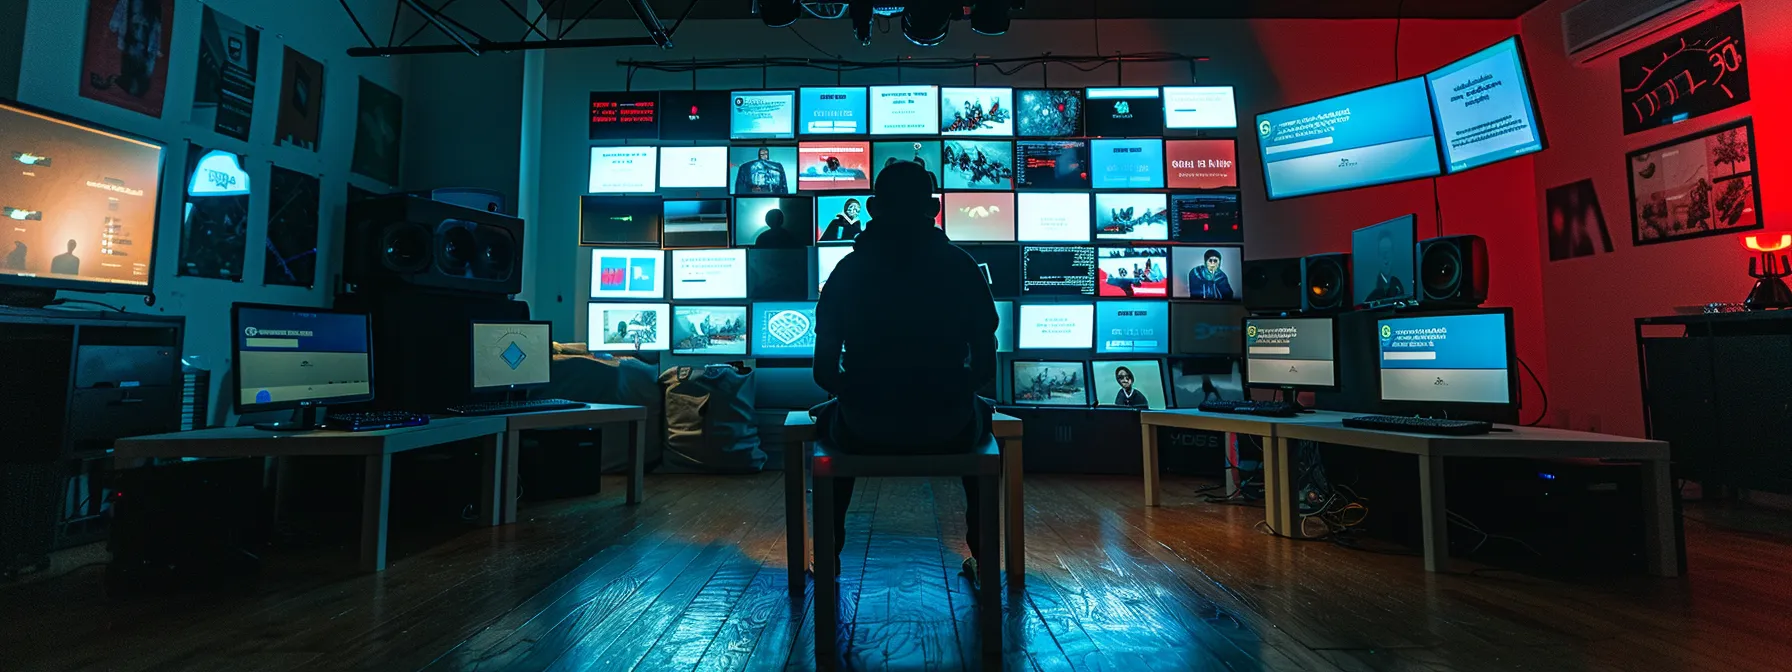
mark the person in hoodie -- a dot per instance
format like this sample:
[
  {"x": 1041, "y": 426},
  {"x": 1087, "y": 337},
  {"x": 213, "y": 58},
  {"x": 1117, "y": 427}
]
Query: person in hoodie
[{"x": 905, "y": 335}]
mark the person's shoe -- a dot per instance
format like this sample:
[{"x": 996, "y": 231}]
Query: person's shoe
[{"x": 969, "y": 569}]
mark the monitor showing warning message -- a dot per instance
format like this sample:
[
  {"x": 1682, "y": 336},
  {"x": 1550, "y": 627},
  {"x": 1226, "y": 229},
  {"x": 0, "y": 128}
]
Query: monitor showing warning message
[
  {"x": 1485, "y": 110},
  {"x": 1446, "y": 358},
  {"x": 1373, "y": 136},
  {"x": 1293, "y": 352}
]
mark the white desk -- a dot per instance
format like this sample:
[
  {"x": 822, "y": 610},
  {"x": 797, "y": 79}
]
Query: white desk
[
  {"x": 591, "y": 414},
  {"x": 1277, "y": 487},
  {"x": 799, "y": 433}
]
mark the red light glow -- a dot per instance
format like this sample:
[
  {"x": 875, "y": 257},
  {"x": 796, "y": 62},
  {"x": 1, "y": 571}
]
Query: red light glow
[{"x": 1755, "y": 242}]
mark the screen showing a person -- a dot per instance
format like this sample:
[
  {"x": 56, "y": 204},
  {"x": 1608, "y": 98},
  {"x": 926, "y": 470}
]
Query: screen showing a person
[
  {"x": 840, "y": 219},
  {"x": 777, "y": 274},
  {"x": 1213, "y": 273},
  {"x": 1369, "y": 137},
  {"x": 1132, "y": 216},
  {"x": 785, "y": 329},
  {"x": 1382, "y": 259},
  {"x": 756, "y": 218},
  {"x": 1446, "y": 359},
  {"x": 1057, "y": 271},
  {"x": 508, "y": 355},
  {"x": 709, "y": 330},
  {"x": 694, "y": 115},
  {"x": 833, "y": 166},
  {"x": 299, "y": 356},
  {"x": 1050, "y": 384},
  {"x": 1132, "y": 326},
  {"x": 973, "y": 216},
  {"x": 826, "y": 258},
  {"x": 1133, "y": 272},
  {"x": 977, "y": 164},
  {"x": 1197, "y": 380},
  {"x": 1048, "y": 113},
  {"x": 762, "y": 170},
  {"x": 1197, "y": 219},
  {"x": 1199, "y": 107},
  {"x": 1052, "y": 218},
  {"x": 623, "y": 170},
  {"x": 977, "y": 111},
  {"x": 1206, "y": 329},
  {"x": 1290, "y": 352},
  {"x": 905, "y": 110},
  {"x": 924, "y": 152},
  {"x": 1056, "y": 326},
  {"x": 629, "y": 326},
  {"x": 627, "y": 274},
  {"x": 620, "y": 220},
  {"x": 1004, "y": 326},
  {"x": 1000, "y": 265},
  {"x": 763, "y": 115},
  {"x": 696, "y": 223},
  {"x": 1201, "y": 164},
  {"x": 1129, "y": 383},
  {"x": 1127, "y": 164},
  {"x": 1125, "y": 112},
  {"x": 625, "y": 115},
  {"x": 1051, "y": 164},
  {"x": 833, "y": 110},
  {"x": 693, "y": 167},
  {"x": 1485, "y": 110},
  {"x": 709, "y": 274}
]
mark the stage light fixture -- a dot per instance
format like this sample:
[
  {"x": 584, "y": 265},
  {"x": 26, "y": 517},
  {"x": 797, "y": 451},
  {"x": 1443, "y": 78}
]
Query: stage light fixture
[
  {"x": 990, "y": 17},
  {"x": 778, "y": 13},
  {"x": 860, "y": 12},
  {"x": 1770, "y": 290},
  {"x": 925, "y": 21}
]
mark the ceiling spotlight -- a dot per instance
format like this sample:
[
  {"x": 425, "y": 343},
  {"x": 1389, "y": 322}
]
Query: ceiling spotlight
[
  {"x": 990, "y": 17},
  {"x": 778, "y": 13},
  {"x": 925, "y": 21},
  {"x": 860, "y": 12}
]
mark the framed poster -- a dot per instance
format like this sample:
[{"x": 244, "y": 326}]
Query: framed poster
[
  {"x": 1693, "y": 73},
  {"x": 1700, "y": 185},
  {"x": 125, "y": 59}
]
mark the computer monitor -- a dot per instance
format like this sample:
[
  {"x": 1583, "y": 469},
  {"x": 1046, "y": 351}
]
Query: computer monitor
[
  {"x": 628, "y": 274},
  {"x": 977, "y": 164},
  {"x": 1486, "y": 109},
  {"x": 1291, "y": 353},
  {"x": 1133, "y": 272},
  {"x": 290, "y": 357},
  {"x": 1196, "y": 380},
  {"x": 1198, "y": 219},
  {"x": 1051, "y": 164},
  {"x": 1374, "y": 136},
  {"x": 623, "y": 170},
  {"x": 625, "y": 115},
  {"x": 695, "y": 115},
  {"x": 925, "y": 152},
  {"x": 1056, "y": 326},
  {"x": 1448, "y": 358},
  {"x": 1058, "y": 270},
  {"x": 832, "y": 110},
  {"x": 784, "y": 329},
  {"x": 826, "y": 258},
  {"x": 763, "y": 114},
  {"x": 620, "y": 220},
  {"x": 709, "y": 330},
  {"x": 1050, "y": 383},
  {"x": 1200, "y": 107},
  {"x": 1130, "y": 383},
  {"x": 762, "y": 170},
  {"x": 1384, "y": 258},
  {"x": 1207, "y": 272},
  {"x": 905, "y": 110},
  {"x": 697, "y": 222},
  {"x": 1132, "y": 216},
  {"x": 1052, "y": 218},
  {"x": 1048, "y": 113},
  {"x": 628, "y": 326},
  {"x": 709, "y": 274},
  {"x": 755, "y": 216},
  {"x": 1119, "y": 112},
  {"x": 840, "y": 218},
  {"x": 980, "y": 217},
  {"x": 1207, "y": 329},
  {"x": 1132, "y": 327},
  {"x": 511, "y": 356},
  {"x": 693, "y": 167},
  {"x": 1004, "y": 326},
  {"x": 834, "y": 165},
  {"x": 977, "y": 111},
  {"x": 1127, "y": 164}
]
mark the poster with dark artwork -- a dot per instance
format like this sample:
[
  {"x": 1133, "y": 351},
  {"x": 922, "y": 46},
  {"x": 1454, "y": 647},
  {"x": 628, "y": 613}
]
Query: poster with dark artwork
[
  {"x": 1698, "y": 71},
  {"x": 292, "y": 229},
  {"x": 379, "y": 124},
  {"x": 1696, "y": 186},
  {"x": 125, "y": 59},
  {"x": 301, "y": 101},
  {"x": 224, "y": 88},
  {"x": 1576, "y": 222},
  {"x": 215, "y": 222}
]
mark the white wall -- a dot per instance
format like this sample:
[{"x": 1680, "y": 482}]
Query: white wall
[{"x": 50, "y": 70}]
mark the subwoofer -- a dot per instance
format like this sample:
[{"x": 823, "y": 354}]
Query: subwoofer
[
  {"x": 1325, "y": 283},
  {"x": 1272, "y": 285},
  {"x": 1453, "y": 272},
  {"x": 406, "y": 241}
]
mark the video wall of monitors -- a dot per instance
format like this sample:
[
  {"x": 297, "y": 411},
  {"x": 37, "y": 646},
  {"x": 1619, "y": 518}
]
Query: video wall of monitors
[{"x": 1106, "y": 222}]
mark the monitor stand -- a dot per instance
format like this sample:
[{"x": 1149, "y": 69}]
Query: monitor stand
[
  {"x": 1292, "y": 397},
  {"x": 27, "y": 297},
  {"x": 304, "y": 419}
]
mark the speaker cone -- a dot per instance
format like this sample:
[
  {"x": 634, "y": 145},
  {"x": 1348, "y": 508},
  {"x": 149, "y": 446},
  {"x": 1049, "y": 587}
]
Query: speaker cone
[
  {"x": 458, "y": 249},
  {"x": 1325, "y": 283},
  {"x": 404, "y": 248},
  {"x": 1440, "y": 270},
  {"x": 495, "y": 253}
]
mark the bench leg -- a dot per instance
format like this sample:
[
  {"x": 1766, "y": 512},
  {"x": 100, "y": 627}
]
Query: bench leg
[
  {"x": 513, "y": 447},
  {"x": 1436, "y": 517},
  {"x": 491, "y": 480},
  {"x": 1149, "y": 441},
  {"x": 796, "y": 538},
  {"x": 989, "y": 576},
  {"x": 1658, "y": 519},
  {"x": 827, "y": 572},
  {"x": 1281, "y": 507},
  {"x": 1014, "y": 540},
  {"x": 637, "y": 460},
  {"x": 376, "y": 499}
]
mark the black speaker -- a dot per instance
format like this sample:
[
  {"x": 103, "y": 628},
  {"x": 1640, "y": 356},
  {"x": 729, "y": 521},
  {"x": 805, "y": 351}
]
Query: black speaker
[
  {"x": 1453, "y": 272},
  {"x": 1272, "y": 285},
  {"x": 422, "y": 344},
  {"x": 405, "y": 241},
  {"x": 1325, "y": 283}
]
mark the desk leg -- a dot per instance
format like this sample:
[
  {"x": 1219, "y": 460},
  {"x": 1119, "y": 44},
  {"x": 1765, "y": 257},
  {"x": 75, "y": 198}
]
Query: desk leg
[
  {"x": 1014, "y": 537},
  {"x": 376, "y": 491},
  {"x": 1431, "y": 507},
  {"x": 1280, "y": 499},
  {"x": 1149, "y": 440},
  {"x": 513, "y": 447},
  {"x": 1658, "y": 519},
  {"x": 491, "y": 480},
  {"x": 1233, "y": 482},
  {"x": 796, "y": 532},
  {"x": 637, "y": 460}
]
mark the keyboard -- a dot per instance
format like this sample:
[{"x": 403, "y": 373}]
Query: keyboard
[
  {"x": 367, "y": 421},
  {"x": 1272, "y": 409},
  {"x": 1393, "y": 423},
  {"x": 508, "y": 407}
]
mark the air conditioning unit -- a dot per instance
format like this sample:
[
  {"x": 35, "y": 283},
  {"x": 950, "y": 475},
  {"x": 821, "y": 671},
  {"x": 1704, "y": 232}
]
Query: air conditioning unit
[{"x": 1595, "y": 29}]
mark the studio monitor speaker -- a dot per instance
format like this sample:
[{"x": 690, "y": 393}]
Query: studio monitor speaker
[
  {"x": 1325, "y": 283},
  {"x": 1453, "y": 272},
  {"x": 405, "y": 241},
  {"x": 1272, "y": 285}
]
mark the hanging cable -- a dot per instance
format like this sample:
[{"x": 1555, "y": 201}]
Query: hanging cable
[{"x": 1399, "y": 17}]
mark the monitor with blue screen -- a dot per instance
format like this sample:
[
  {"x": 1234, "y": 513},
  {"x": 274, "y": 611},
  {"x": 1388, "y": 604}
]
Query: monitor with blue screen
[
  {"x": 833, "y": 110},
  {"x": 1486, "y": 109},
  {"x": 1132, "y": 326},
  {"x": 289, "y": 357},
  {"x": 1374, "y": 136},
  {"x": 784, "y": 329},
  {"x": 1463, "y": 358}
]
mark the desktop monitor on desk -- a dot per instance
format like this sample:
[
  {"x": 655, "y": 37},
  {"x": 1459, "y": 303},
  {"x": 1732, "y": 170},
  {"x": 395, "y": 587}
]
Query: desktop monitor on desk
[
  {"x": 1447, "y": 358},
  {"x": 510, "y": 356},
  {"x": 1296, "y": 353},
  {"x": 294, "y": 358}
]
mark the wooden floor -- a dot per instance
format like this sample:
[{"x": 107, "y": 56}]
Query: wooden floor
[{"x": 693, "y": 579}]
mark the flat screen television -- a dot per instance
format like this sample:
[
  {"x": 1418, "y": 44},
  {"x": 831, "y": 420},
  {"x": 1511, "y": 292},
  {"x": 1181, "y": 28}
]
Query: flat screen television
[
  {"x": 1132, "y": 272},
  {"x": 1360, "y": 139},
  {"x": 980, "y": 216},
  {"x": 620, "y": 220},
  {"x": 1052, "y": 217},
  {"x": 1051, "y": 164},
  {"x": 709, "y": 274},
  {"x": 693, "y": 167},
  {"x": 1127, "y": 163},
  {"x": 709, "y": 330},
  {"x": 1200, "y": 108},
  {"x": 1384, "y": 262},
  {"x": 763, "y": 115},
  {"x": 697, "y": 222},
  {"x": 1428, "y": 360},
  {"x": 1132, "y": 216},
  {"x": 628, "y": 274},
  {"x": 1122, "y": 112},
  {"x": 625, "y": 115},
  {"x": 1207, "y": 272},
  {"x": 1485, "y": 106},
  {"x": 905, "y": 110},
  {"x": 1048, "y": 113},
  {"x": 1067, "y": 270},
  {"x": 1050, "y": 383},
  {"x": 832, "y": 110},
  {"x": 629, "y": 326},
  {"x": 833, "y": 165},
  {"x": 694, "y": 115},
  {"x": 1291, "y": 353},
  {"x": 1056, "y": 326},
  {"x": 623, "y": 170},
  {"x": 1132, "y": 327},
  {"x": 985, "y": 111},
  {"x": 1129, "y": 383},
  {"x": 977, "y": 164},
  {"x": 1197, "y": 219}
]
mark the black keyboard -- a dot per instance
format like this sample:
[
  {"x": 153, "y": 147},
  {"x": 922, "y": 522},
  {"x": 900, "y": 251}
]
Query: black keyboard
[
  {"x": 1393, "y": 423},
  {"x": 508, "y": 407},
  {"x": 367, "y": 421},
  {"x": 1272, "y": 409}
]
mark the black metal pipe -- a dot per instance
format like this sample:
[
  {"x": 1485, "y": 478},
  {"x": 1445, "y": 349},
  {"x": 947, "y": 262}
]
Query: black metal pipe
[
  {"x": 430, "y": 16},
  {"x": 361, "y": 52}
]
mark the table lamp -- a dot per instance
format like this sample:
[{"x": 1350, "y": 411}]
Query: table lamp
[{"x": 1770, "y": 290}]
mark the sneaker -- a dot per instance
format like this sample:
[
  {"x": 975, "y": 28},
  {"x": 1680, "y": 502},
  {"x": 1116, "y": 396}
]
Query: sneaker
[{"x": 969, "y": 569}]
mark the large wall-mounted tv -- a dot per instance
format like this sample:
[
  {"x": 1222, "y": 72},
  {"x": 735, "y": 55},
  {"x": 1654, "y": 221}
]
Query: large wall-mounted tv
[{"x": 1369, "y": 137}]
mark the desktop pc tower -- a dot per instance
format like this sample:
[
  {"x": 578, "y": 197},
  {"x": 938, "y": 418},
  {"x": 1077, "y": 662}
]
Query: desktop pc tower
[{"x": 200, "y": 523}]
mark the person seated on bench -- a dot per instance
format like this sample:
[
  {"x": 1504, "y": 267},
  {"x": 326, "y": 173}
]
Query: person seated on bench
[{"x": 905, "y": 336}]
